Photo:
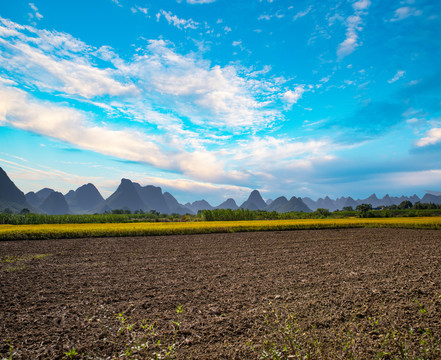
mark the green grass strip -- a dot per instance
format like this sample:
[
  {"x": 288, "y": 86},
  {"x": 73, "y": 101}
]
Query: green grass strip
[{"x": 64, "y": 231}]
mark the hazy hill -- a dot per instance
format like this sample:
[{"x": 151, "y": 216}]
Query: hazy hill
[
  {"x": 326, "y": 203},
  {"x": 84, "y": 198},
  {"x": 44, "y": 193},
  {"x": 55, "y": 204},
  {"x": 132, "y": 196},
  {"x": 294, "y": 204},
  {"x": 125, "y": 197},
  {"x": 174, "y": 206},
  {"x": 254, "y": 202},
  {"x": 386, "y": 200},
  {"x": 199, "y": 205},
  {"x": 276, "y": 204},
  {"x": 228, "y": 204},
  {"x": 350, "y": 202},
  {"x": 414, "y": 198},
  {"x": 153, "y": 197},
  {"x": 429, "y": 198},
  {"x": 342, "y": 202},
  {"x": 309, "y": 203},
  {"x": 33, "y": 199}
]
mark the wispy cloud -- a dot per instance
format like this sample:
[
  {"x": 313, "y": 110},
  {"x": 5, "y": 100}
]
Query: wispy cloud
[
  {"x": 301, "y": 14},
  {"x": 398, "y": 76},
  {"x": 117, "y": 3},
  {"x": 353, "y": 27},
  {"x": 33, "y": 172},
  {"x": 265, "y": 150},
  {"x": 207, "y": 94},
  {"x": 140, "y": 9},
  {"x": 278, "y": 15},
  {"x": 35, "y": 14},
  {"x": 405, "y": 12},
  {"x": 175, "y": 21}
]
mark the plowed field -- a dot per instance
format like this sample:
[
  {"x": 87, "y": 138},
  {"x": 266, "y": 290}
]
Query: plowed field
[{"x": 348, "y": 290}]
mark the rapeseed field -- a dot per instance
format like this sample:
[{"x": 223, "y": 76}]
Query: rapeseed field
[{"x": 58, "y": 231}]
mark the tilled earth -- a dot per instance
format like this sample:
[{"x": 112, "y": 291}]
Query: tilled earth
[{"x": 59, "y": 295}]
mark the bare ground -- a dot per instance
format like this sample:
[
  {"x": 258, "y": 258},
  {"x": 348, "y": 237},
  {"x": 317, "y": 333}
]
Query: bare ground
[{"x": 334, "y": 281}]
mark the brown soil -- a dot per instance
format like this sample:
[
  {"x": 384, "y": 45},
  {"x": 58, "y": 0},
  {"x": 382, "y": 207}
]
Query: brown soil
[{"x": 225, "y": 283}]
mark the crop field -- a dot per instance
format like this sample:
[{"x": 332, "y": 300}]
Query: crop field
[
  {"x": 57, "y": 231},
  {"x": 360, "y": 293}
]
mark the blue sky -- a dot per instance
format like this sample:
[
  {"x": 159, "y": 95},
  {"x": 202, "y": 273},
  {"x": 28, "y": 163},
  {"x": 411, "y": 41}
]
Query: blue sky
[{"x": 213, "y": 98}]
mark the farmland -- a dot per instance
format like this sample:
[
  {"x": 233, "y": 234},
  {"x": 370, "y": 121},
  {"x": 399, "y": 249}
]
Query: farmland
[
  {"x": 333, "y": 293},
  {"x": 57, "y": 231}
]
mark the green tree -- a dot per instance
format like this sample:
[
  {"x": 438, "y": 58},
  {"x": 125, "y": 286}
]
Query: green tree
[
  {"x": 322, "y": 212},
  {"x": 363, "y": 209},
  {"x": 405, "y": 205}
]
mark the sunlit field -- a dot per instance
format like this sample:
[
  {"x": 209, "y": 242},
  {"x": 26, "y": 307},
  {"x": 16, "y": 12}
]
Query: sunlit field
[{"x": 54, "y": 231}]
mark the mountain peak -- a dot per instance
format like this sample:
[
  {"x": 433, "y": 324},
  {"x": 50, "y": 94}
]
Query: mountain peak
[
  {"x": 228, "y": 204},
  {"x": 55, "y": 204},
  {"x": 254, "y": 202},
  {"x": 8, "y": 190},
  {"x": 85, "y": 198},
  {"x": 126, "y": 196}
]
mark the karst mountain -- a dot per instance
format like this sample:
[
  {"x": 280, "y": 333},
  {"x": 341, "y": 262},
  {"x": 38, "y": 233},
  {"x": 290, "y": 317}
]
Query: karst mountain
[{"x": 132, "y": 196}]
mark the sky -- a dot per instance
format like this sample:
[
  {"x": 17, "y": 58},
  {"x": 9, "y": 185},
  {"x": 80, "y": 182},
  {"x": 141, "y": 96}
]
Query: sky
[{"x": 214, "y": 98}]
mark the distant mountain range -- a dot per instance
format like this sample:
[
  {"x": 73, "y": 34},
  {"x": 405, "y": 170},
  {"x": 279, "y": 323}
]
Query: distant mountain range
[{"x": 132, "y": 196}]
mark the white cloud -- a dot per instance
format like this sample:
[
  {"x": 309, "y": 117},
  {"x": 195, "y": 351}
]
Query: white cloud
[
  {"x": 64, "y": 71},
  {"x": 398, "y": 75},
  {"x": 301, "y": 14},
  {"x": 137, "y": 8},
  {"x": 66, "y": 124},
  {"x": 189, "y": 104},
  {"x": 237, "y": 43},
  {"x": 291, "y": 97},
  {"x": 264, "y": 17},
  {"x": 432, "y": 137},
  {"x": 353, "y": 27},
  {"x": 361, "y": 4},
  {"x": 265, "y": 149},
  {"x": 405, "y": 12},
  {"x": 21, "y": 111},
  {"x": 117, "y": 2},
  {"x": 207, "y": 94},
  {"x": 277, "y": 15},
  {"x": 179, "y": 23},
  {"x": 35, "y": 14}
]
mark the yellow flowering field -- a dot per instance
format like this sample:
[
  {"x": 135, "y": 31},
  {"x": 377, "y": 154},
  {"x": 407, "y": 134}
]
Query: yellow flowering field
[{"x": 55, "y": 231}]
